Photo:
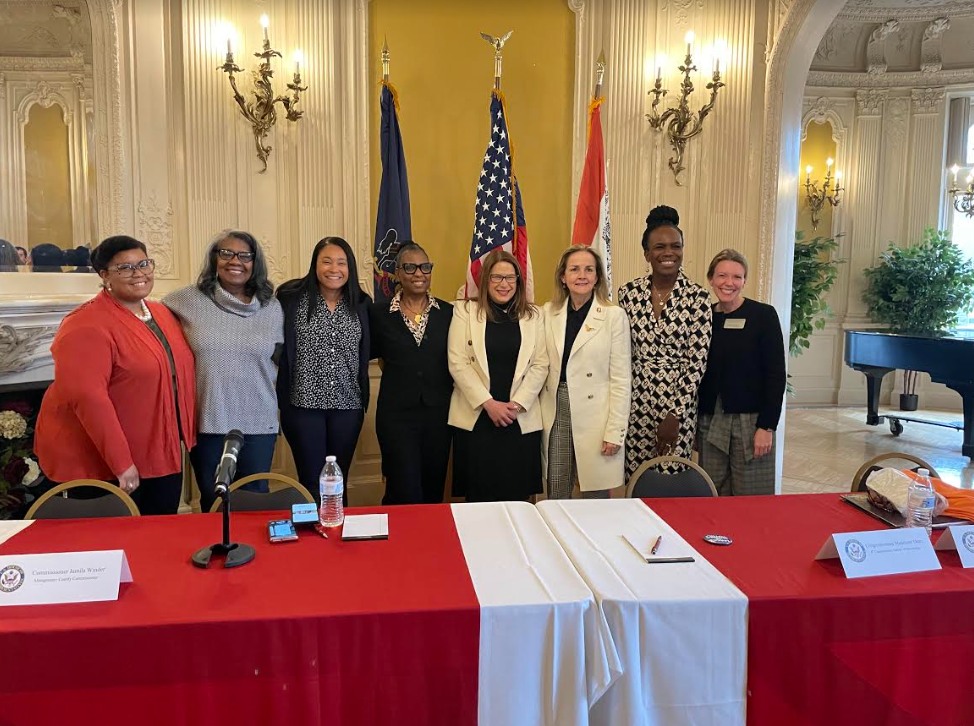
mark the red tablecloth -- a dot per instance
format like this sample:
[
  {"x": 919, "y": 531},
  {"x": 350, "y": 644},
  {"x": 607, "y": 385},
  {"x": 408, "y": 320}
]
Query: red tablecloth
[
  {"x": 823, "y": 649},
  {"x": 314, "y": 631}
]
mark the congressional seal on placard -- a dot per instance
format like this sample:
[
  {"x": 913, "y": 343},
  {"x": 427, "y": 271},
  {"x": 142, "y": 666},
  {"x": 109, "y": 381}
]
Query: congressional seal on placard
[
  {"x": 855, "y": 550},
  {"x": 968, "y": 541},
  {"x": 11, "y": 578}
]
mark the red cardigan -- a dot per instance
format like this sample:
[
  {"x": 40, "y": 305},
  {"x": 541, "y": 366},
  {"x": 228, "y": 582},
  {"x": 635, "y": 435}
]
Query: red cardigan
[{"x": 111, "y": 404}]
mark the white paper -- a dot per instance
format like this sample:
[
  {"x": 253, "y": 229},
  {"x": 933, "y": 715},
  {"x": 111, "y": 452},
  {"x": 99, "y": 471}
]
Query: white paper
[
  {"x": 959, "y": 537},
  {"x": 366, "y": 526},
  {"x": 881, "y": 552},
  {"x": 62, "y": 577},
  {"x": 8, "y": 528}
]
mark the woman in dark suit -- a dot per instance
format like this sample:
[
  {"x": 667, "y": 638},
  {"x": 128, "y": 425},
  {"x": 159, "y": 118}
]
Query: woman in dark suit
[
  {"x": 409, "y": 334},
  {"x": 323, "y": 373}
]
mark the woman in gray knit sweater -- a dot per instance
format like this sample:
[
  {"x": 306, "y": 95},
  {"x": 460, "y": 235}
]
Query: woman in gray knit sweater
[{"x": 235, "y": 327}]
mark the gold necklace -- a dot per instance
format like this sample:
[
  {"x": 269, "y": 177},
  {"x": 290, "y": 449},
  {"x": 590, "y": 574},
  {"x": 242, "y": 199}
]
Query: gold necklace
[
  {"x": 417, "y": 317},
  {"x": 660, "y": 297}
]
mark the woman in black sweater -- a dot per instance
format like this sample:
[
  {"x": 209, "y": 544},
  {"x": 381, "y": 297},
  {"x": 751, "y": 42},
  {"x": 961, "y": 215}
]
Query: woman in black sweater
[{"x": 741, "y": 392}]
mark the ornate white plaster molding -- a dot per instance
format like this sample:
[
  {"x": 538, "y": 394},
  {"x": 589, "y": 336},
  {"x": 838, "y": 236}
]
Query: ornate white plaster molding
[
  {"x": 908, "y": 79},
  {"x": 823, "y": 110},
  {"x": 870, "y": 102},
  {"x": 681, "y": 10},
  {"x": 861, "y": 12},
  {"x": 927, "y": 100},
  {"x": 930, "y": 47},
  {"x": 876, "y": 47},
  {"x": 156, "y": 231},
  {"x": 12, "y": 63}
]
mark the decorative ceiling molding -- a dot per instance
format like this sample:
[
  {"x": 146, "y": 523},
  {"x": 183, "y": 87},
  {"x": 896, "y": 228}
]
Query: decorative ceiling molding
[
  {"x": 22, "y": 63},
  {"x": 930, "y": 47},
  {"x": 908, "y": 79},
  {"x": 870, "y": 102},
  {"x": 876, "y": 48},
  {"x": 916, "y": 12}
]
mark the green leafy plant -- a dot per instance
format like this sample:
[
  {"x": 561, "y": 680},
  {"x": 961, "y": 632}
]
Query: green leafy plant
[
  {"x": 814, "y": 273},
  {"x": 922, "y": 288}
]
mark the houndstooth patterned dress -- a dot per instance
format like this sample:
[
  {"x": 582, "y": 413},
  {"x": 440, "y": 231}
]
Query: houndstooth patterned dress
[{"x": 669, "y": 356}]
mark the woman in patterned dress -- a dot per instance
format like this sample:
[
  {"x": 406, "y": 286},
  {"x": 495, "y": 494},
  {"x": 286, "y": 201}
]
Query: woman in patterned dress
[
  {"x": 670, "y": 327},
  {"x": 323, "y": 378}
]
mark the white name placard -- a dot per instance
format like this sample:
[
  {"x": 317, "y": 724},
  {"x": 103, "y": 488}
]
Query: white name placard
[
  {"x": 960, "y": 537},
  {"x": 882, "y": 552},
  {"x": 62, "y": 577}
]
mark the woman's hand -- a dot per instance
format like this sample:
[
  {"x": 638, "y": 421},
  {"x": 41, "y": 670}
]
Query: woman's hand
[
  {"x": 667, "y": 433},
  {"x": 763, "y": 439},
  {"x": 501, "y": 414},
  {"x": 128, "y": 480},
  {"x": 609, "y": 449}
]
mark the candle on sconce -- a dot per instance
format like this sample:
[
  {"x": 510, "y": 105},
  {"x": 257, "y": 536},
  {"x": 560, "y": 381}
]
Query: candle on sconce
[
  {"x": 298, "y": 57},
  {"x": 720, "y": 47},
  {"x": 828, "y": 163},
  {"x": 808, "y": 172},
  {"x": 688, "y": 39},
  {"x": 838, "y": 177},
  {"x": 954, "y": 169},
  {"x": 265, "y": 23}
]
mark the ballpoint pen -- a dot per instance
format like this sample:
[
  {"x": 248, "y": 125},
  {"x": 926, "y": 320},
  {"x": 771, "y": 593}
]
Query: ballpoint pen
[{"x": 656, "y": 545}]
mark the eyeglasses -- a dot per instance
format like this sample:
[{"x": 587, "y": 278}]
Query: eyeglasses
[
  {"x": 509, "y": 279},
  {"x": 410, "y": 267},
  {"x": 225, "y": 254},
  {"x": 127, "y": 269}
]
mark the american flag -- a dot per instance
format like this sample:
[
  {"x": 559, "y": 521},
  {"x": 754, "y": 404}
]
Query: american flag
[{"x": 498, "y": 214}]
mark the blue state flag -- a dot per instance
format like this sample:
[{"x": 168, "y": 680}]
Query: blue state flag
[{"x": 392, "y": 220}]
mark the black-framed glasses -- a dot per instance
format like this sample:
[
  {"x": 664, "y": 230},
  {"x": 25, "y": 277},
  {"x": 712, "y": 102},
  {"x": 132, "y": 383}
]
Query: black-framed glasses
[
  {"x": 498, "y": 279},
  {"x": 127, "y": 269},
  {"x": 225, "y": 254},
  {"x": 410, "y": 267}
]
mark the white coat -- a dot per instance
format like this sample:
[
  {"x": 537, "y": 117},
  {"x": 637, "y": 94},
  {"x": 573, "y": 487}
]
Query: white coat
[
  {"x": 467, "y": 353},
  {"x": 599, "y": 377}
]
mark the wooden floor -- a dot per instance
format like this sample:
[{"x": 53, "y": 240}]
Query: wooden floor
[{"x": 825, "y": 446}]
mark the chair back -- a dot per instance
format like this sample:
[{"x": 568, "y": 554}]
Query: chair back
[
  {"x": 649, "y": 481},
  {"x": 874, "y": 464},
  {"x": 242, "y": 500},
  {"x": 53, "y": 504}
]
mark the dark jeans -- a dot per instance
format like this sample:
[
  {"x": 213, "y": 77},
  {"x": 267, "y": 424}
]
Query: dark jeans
[
  {"x": 255, "y": 458},
  {"x": 157, "y": 495},
  {"x": 415, "y": 445},
  {"x": 314, "y": 434}
]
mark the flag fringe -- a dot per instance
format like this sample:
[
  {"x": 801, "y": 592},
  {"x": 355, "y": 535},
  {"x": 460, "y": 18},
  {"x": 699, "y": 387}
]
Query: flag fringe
[
  {"x": 592, "y": 105},
  {"x": 394, "y": 92}
]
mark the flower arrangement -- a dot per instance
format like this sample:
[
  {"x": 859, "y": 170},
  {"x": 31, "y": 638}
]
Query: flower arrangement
[{"x": 18, "y": 468}]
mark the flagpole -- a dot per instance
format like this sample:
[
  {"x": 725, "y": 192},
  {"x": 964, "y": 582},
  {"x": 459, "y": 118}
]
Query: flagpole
[
  {"x": 385, "y": 60},
  {"x": 498, "y": 45},
  {"x": 599, "y": 72}
]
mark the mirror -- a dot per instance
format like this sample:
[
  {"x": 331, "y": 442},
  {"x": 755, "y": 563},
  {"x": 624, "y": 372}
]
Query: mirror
[{"x": 47, "y": 181}]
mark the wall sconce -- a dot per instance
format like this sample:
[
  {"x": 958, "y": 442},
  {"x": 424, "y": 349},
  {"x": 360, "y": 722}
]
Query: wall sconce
[
  {"x": 679, "y": 123},
  {"x": 816, "y": 198},
  {"x": 261, "y": 112},
  {"x": 963, "y": 199}
]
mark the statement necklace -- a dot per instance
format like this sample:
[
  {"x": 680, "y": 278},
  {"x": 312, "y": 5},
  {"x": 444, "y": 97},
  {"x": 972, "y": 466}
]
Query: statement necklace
[{"x": 145, "y": 316}]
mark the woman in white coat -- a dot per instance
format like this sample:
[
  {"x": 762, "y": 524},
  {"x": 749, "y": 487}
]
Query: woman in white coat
[
  {"x": 498, "y": 361},
  {"x": 585, "y": 400}
]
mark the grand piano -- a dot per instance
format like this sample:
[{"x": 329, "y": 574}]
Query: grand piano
[{"x": 948, "y": 360}]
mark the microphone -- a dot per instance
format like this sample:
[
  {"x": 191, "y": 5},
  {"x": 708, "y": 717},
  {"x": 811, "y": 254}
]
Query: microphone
[{"x": 227, "y": 467}]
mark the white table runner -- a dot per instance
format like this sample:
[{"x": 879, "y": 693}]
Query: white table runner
[
  {"x": 545, "y": 650},
  {"x": 680, "y": 629}
]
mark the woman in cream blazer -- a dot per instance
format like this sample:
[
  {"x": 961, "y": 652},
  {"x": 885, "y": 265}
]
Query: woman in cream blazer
[
  {"x": 585, "y": 400},
  {"x": 498, "y": 361}
]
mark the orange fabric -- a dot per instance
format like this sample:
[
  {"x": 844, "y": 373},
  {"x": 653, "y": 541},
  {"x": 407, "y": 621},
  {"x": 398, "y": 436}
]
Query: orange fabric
[
  {"x": 111, "y": 403},
  {"x": 960, "y": 502}
]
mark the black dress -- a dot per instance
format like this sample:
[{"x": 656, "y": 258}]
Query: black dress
[{"x": 498, "y": 463}]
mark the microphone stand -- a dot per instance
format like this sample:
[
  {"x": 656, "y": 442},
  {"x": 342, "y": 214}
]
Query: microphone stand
[{"x": 234, "y": 553}]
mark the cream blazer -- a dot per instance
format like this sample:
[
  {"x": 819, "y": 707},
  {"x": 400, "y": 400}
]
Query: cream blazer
[
  {"x": 599, "y": 376},
  {"x": 467, "y": 352}
]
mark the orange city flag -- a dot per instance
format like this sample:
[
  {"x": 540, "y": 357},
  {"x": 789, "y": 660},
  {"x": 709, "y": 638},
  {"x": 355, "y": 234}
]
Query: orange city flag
[{"x": 592, "y": 212}]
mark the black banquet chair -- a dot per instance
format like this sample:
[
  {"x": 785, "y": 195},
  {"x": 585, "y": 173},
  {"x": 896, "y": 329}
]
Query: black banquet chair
[{"x": 691, "y": 481}]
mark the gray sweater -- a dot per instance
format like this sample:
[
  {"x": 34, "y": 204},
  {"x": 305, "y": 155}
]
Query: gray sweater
[{"x": 233, "y": 343}]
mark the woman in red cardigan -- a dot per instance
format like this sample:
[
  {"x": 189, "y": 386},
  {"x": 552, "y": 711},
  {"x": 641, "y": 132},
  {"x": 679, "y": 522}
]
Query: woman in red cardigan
[{"x": 123, "y": 397}]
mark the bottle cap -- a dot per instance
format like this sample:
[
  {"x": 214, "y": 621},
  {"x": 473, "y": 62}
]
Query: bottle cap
[
  {"x": 923, "y": 472},
  {"x": 329, "y": 459}
]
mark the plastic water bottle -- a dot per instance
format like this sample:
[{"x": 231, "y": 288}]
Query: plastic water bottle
[
  {"x": 331, "y": 485},
  {"x": 920, "y": 502}
]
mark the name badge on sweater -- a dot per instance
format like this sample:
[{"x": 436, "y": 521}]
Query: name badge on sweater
[{"x": 734, "y": 323}]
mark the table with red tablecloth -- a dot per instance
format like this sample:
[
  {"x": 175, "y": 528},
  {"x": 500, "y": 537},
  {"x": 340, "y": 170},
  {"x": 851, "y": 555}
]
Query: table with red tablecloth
[
  {"x": 824, "y": 649},
  {"x": 316, "y": 631}
]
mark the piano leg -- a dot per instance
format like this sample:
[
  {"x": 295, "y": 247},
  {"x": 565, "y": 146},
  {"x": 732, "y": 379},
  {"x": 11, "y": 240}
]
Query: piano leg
[
  {"x": 874, "y": 381},
  {"x": 967, "y": 396}
]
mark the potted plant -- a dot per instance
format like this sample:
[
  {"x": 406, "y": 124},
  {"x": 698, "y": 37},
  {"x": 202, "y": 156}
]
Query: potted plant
[
  {"x": 814, "y": 274},
  {"x": 919, "y": 290},
  {"x": 18, "y": 469}
]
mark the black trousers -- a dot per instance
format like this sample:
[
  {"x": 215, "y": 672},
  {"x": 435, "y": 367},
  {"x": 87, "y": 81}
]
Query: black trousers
[
  {"x": 314, "y": 434},
  {"x": 415, "y": 445},
  {"x": 156, "y": 495}
]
